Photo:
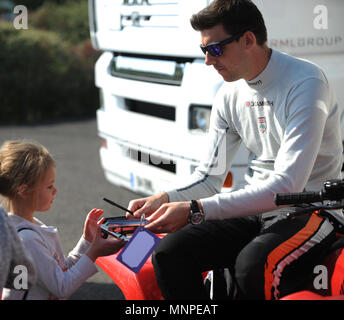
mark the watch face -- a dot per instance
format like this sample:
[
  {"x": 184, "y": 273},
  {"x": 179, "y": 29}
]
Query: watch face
[{"x": 197, "y": 218}]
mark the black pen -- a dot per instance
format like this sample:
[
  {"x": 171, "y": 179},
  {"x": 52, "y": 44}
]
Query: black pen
[{"x": 118, "y": 206}]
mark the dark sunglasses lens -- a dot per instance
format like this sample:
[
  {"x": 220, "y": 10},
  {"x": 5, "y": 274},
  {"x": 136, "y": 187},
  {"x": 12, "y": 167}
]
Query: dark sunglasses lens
[{"x": 215, "y": 50}]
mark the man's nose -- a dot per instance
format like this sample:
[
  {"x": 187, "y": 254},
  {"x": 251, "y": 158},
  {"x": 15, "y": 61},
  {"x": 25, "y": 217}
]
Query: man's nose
[{"x": 209, "y": 59}]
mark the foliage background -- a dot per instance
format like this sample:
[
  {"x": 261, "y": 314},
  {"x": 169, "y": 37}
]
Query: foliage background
[{"x": 47, "y": 70}]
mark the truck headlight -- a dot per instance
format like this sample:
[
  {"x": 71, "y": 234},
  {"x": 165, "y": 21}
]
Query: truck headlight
[{"x": 199, "y": 117}]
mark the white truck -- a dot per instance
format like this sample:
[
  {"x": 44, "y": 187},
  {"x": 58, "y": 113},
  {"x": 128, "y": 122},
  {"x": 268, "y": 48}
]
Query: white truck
[{"x": 156, "y": 92}]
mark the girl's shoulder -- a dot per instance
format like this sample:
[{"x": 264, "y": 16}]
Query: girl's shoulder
[{"x": 29, "y": 231}]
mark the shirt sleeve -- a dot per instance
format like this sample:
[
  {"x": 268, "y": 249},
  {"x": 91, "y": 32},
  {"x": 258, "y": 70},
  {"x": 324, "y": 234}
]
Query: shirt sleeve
[
  {"x": 222, "y": 144},
  {"x": 80, "y": 249},
  {"x": 307, "y": 113}
]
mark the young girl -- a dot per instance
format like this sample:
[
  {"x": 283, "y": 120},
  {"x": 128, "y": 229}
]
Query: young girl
[{"x": 27, "y": 177}]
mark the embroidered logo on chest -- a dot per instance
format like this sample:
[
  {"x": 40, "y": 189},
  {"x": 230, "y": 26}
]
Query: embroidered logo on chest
[{"x": 262, "y": 124}]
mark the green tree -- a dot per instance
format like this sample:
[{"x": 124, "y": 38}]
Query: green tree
[{"x": 43, "y": 78}]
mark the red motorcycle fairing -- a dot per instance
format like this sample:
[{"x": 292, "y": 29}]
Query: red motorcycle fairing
[
  {"x": 134, "y": 286},
  {"x": 140, "y": 286}
]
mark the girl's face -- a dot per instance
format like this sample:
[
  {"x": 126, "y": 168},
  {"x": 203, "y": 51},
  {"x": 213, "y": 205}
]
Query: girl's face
[{"x": 46, "y": 191}]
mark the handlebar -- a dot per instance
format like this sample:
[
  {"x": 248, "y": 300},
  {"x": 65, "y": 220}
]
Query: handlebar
[
  {"x": 298, "y": 198},
  {"x": 333, "y": 190}
]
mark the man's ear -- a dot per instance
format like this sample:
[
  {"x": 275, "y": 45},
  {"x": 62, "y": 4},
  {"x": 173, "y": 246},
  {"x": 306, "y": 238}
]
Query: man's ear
[
  {"x": 249, "y": 39},
  {"x": 23, "y": 191}
]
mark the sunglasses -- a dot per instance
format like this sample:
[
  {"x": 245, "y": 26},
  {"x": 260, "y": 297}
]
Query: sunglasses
[{"x": 215, "y": 49}]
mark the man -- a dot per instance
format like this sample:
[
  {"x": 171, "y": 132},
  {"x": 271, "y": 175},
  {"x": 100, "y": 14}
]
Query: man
[{"x": 283, "y": 110}]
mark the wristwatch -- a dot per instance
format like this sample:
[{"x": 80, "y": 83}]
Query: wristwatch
[{"x": 196, "y": 215}]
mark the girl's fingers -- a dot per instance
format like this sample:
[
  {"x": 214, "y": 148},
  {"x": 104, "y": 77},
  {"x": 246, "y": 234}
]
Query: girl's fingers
[
  {"x": 100, "y": 221},
  {"x": 99, "y": 212},
  {"x": 96, "y": 213}
]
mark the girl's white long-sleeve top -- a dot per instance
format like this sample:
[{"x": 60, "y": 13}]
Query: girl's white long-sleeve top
[
  {"x": 57, "y": 277},
  {"x": 288, "y": 118}
]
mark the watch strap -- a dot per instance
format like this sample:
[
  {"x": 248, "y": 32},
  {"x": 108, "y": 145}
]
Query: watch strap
[{"x": 194, "y": 206}]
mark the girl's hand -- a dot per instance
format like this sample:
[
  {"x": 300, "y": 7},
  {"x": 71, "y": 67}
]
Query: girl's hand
[
  {"x": 91, "y": 226},
  {"x": 103, "y": 247}
]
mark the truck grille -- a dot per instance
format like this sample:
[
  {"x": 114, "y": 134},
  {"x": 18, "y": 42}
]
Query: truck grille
[
  {"x": 151, "y": 109},
  {"x": 149, "y": 13}
]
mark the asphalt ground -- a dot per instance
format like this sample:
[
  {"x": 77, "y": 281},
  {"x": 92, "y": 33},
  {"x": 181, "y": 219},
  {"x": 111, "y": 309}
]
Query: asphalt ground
[{"x": 81, "y": 187}]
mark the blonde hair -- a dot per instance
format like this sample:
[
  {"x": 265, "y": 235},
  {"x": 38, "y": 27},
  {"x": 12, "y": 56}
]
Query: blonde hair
[{"x": 22, "y": 162}]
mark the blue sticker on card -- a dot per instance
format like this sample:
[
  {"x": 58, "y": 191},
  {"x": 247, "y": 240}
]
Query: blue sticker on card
[{"x": 138, "y": 249}]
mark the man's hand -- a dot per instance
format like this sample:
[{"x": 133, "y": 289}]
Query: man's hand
[
  {"x": 146, "y": 205},
  {"x": 169, "y": 218}
]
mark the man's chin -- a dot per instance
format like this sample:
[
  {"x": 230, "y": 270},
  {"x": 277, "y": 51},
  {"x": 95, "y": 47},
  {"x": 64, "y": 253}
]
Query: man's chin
[{"x": 229, "y": 78}]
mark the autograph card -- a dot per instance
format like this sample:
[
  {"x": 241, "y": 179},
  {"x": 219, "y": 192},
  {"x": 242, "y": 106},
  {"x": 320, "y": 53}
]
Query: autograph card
[{"x": 138, "y": 249}]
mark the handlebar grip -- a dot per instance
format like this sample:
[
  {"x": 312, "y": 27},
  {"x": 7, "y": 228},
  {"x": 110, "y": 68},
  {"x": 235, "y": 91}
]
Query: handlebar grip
[{"x": 297, "y": 198}]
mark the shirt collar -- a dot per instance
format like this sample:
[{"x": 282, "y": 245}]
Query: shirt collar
[{"x": 267, "y": 75}]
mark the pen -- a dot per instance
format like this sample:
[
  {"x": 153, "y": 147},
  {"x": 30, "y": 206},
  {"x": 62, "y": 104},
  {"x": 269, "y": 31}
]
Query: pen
[{"x": 117, "y": 205}]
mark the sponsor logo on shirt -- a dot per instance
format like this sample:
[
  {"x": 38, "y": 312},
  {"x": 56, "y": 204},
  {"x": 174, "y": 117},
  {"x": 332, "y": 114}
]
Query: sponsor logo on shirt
[
  {"x": 259, "y": 103},
  {"x": 257, "y": 83}
]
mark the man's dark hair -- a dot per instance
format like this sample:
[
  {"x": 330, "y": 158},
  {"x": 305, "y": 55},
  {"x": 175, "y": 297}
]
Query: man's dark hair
[{"x": 236, "y": 16}]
